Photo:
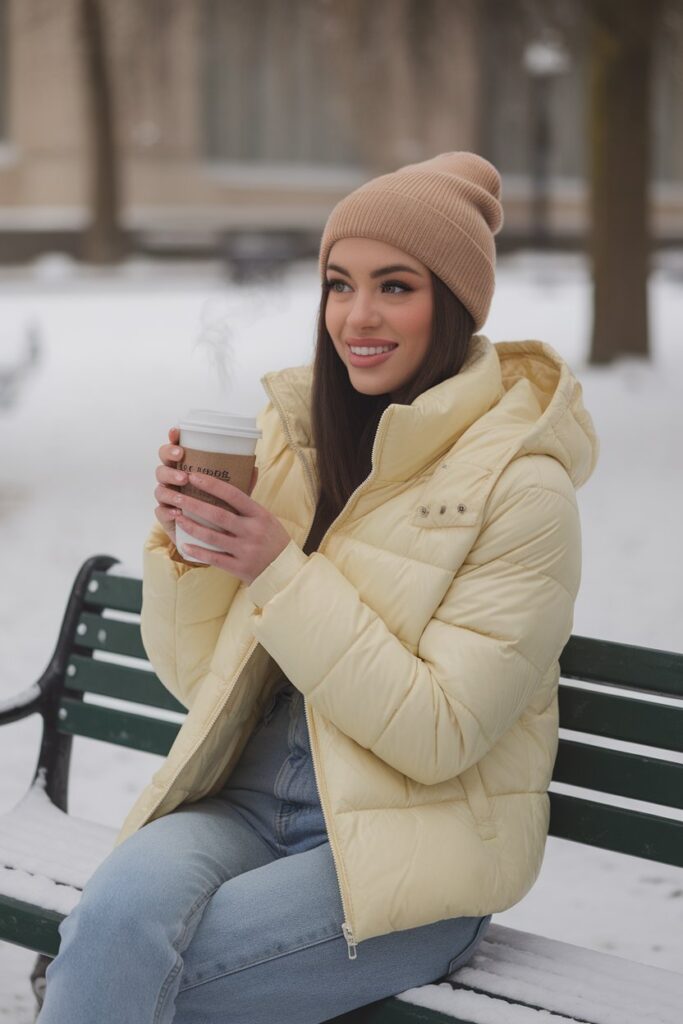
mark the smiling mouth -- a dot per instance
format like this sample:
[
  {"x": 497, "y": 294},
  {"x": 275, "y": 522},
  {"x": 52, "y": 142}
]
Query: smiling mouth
[
  {"x": 372, "y": 359},
  {"x": 371, "y": 344}
]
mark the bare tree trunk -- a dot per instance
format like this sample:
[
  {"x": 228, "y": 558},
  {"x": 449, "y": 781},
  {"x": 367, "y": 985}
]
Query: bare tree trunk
[
  {"x": 103, "y": 240},
  {"x": 622, "y": 35}
]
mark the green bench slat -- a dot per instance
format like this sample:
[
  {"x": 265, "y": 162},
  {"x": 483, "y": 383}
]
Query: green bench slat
[
  {"x": 642, "y": 668},
  {"x": 110, "y": 680},
  {"x": 25, "y": 925},
  {"x": 120, "y": 592},
  {"x": 398, "y": 1011},
  {"x": 98, "y": 634},
  {"x": 616, "y": 828},
  {"x": 621, "y": 718},
  {"x": 113, "y": 726},
  {"x": 623, "y": 774}
]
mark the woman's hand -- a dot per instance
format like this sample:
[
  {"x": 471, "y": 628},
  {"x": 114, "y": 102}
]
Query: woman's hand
[
  {"x": 250, "y": 538},
  {"x": 167, "y": 473}
]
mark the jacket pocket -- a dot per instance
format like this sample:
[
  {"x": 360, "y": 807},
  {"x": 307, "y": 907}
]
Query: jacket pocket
[{"x": 478, "y": 801}]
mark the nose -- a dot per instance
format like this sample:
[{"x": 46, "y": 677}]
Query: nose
[{"x": 363, "y": 311}]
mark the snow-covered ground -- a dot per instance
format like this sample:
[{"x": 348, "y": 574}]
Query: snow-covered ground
[{"x": 124, "y": 354}]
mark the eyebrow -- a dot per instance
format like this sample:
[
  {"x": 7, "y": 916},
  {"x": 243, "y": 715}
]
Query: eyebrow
[{"x": 377, "y": 273}]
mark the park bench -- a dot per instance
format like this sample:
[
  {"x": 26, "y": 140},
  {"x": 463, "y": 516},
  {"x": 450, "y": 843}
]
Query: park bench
[{"x": 46, "y": 855}]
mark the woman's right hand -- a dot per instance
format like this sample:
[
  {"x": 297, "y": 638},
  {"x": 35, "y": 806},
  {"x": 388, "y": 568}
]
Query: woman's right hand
[{"x": 167, "y": 473}]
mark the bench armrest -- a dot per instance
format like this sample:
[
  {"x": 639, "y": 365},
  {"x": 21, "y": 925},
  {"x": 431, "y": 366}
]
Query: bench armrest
[
  {"x": 43, "y": 692},
  {"x": 21, "y": 705}
]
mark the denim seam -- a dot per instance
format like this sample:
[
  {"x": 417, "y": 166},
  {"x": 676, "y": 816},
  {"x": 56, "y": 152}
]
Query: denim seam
[
  {"x": 277, "y": 826},
  {"x": 278, "y": 817},
  {"x": 339, "y": 935},
  {"x": 466, "y": 954},
  {"x": 175, "y": 969}
]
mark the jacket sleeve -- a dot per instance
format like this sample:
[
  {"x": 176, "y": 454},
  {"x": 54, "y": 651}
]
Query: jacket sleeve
[
  {"x": 183, "y": 609},
  {"x": 481, "y": 659}
]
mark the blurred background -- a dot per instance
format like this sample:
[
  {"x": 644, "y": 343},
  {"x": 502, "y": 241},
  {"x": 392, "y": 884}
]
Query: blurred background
[{"x": 166, "y": 169}]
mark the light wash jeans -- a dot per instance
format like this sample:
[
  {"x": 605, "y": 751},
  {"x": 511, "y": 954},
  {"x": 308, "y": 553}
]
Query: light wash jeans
[{"x": 228, "y": 910}]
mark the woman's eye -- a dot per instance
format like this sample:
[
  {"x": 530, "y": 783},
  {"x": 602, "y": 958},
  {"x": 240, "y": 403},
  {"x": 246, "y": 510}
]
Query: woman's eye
[
  {"x": 331, "y": 285},
  {"x": 397, "y": 284}
]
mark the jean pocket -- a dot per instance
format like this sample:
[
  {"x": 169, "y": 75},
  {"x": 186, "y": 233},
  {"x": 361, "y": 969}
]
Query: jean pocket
[
  {"x": 267, "y": 714},
  {"x": 470, "y": 949}
]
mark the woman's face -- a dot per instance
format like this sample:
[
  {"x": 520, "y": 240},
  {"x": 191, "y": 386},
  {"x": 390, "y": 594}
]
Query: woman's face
[{"x": 378, "y": 295}]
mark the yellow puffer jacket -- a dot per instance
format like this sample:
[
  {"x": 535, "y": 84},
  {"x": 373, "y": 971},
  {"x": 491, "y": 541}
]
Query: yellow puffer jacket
[{"x": 424, "y": 634}]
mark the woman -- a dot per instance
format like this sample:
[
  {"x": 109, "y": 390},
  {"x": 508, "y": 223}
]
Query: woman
[{"x": 369, "y": 662}]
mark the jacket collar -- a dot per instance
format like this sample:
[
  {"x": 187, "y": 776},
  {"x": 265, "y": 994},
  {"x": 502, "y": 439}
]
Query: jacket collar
[
  {"x": 409, "y": 437},
  {"x": 509, "y": 398}
]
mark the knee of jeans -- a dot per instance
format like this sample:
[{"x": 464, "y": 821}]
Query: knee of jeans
[
  {"x": 113, "y": 899},
  {"x": 100, "y": 908}
]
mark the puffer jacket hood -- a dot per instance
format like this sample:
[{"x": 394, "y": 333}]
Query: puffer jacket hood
[
  {"x": 424, "y": 633},
  {"x": 563, "y": 429}
]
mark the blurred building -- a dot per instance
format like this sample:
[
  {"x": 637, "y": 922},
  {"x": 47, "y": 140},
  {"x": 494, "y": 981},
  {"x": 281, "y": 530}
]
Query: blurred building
[{"x": 259, "y": 114}]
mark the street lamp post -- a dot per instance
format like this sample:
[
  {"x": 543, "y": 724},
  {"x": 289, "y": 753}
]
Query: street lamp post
[{"x": 543, "y": 60}]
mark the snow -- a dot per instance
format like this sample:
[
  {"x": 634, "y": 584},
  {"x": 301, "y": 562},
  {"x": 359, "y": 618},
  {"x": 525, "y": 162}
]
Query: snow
[
  {"x": 124, "y": 354},
  {"x": 510, "y": 964},
  {"x": 47, "y": 856},
  {"x": 20, "y": 700},
  {"x": 479, "y": 1008}
]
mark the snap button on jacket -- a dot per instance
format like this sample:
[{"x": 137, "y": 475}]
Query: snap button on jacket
[{"x": 424, "y": 634}]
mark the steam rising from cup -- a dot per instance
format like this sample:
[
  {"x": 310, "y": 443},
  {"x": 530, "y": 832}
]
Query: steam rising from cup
[
  {"x": 224, "y": 315},
  {"x": 215, "y": 339}
]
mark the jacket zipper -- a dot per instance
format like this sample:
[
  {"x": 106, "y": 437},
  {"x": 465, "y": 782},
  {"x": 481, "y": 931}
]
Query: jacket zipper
[{"x": 346, "y": 926}]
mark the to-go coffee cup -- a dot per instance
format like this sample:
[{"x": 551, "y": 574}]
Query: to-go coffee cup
[{"x": 222, "y": 446}]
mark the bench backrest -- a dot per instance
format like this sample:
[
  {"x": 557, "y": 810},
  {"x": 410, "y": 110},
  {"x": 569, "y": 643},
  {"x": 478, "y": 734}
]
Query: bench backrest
[
  {"x": 636, "y": 698},
  {"x": 627, "y": 694},
  {"x": 90, "y": 668}
]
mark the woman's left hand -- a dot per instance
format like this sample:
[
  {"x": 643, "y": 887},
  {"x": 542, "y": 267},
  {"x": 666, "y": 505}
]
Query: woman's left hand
[{"x": 250, "y": 538}]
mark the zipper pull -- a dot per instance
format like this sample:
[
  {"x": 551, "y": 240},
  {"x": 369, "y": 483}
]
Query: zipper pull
[{"x": 348, "y": 935}]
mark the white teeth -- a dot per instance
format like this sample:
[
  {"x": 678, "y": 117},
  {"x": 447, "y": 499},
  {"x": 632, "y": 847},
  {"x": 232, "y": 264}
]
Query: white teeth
[{"x": 371, "y": 351}]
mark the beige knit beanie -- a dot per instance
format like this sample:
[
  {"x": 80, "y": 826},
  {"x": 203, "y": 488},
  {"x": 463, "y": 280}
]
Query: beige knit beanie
[{"x": 443, "y": 211}]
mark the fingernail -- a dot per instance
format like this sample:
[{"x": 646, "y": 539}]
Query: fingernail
[{"x": 175, "y": 451}]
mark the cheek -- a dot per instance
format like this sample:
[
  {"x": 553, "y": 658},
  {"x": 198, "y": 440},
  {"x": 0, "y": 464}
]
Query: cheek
[
  {"x": 331, "y": 319},
  {"x": 417, "y": 321}
]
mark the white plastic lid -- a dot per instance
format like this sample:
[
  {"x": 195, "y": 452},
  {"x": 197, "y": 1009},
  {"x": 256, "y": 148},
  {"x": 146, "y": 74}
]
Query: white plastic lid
[{"x": 220, "y": 423}]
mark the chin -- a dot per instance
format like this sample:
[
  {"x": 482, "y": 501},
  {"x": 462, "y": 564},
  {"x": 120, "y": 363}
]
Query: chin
[{"x": 368, "y": 388}]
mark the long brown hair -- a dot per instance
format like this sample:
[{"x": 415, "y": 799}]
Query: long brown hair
[{"x": 344, "y": 421}]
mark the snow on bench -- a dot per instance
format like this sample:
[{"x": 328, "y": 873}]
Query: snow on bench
[
  {"x": 46, "y": 856},
  {"x": 572, "y": 984}
]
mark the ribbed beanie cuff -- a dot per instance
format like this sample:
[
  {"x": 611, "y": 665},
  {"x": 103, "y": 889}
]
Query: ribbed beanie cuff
[{"x": 444, "y": 211}]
